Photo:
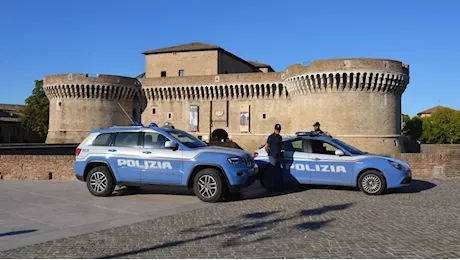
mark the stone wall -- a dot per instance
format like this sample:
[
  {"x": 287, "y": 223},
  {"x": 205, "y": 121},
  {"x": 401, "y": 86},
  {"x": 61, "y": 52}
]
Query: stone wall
[
  {"x": 443, "y": 165},
  {"x": 193, "y": 63},
  {"x": 39, "y": 167},
  {"x": 437, "y": 148},
  {"x": 229, "y": 63}
]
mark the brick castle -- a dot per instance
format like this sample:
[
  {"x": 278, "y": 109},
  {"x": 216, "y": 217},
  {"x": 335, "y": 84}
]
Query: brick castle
[{"x": 214, "y": 94}]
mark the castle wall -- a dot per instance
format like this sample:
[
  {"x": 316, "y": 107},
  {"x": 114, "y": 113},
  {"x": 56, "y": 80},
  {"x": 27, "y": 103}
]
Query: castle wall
[
  {"x": 259, "y": 127},
  {"x": 192, "y": 62},
  {"x": 220, "y": 100},
  {"x": 356, "y": 100},
  {"x": 79, "y": 103}
]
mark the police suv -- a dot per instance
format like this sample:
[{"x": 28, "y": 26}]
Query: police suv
[
  {"x": 310, "y": 158},
  {"x": 134, "y": 156}
]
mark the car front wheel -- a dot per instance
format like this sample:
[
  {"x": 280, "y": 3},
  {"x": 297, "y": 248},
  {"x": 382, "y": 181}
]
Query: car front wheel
[
  {"x": 208, "y": 185},
  {"x": 372, "y": 183},
  {"x": 100, "y": 182}
]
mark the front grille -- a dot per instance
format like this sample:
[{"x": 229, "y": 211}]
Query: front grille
[{"x": 248, "y": 161}]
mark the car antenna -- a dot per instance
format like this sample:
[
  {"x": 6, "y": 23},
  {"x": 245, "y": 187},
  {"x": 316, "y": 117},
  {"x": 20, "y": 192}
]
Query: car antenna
[{"x": 125, "y": 113}]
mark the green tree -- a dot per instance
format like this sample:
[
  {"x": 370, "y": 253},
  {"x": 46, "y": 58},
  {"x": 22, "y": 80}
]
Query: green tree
[
  {"x": 36, "y": 112},
  {"x": 412, "y": 128},
  {"x": 442, "y": 127},
  {"x": 406, "y": 118}
]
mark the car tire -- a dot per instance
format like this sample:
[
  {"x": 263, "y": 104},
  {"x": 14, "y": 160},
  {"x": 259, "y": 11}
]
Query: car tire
[
  {"x": 372, "y": 182},
  {"x": 208, "y": 185},
  {"x": 100, "y": 182}
]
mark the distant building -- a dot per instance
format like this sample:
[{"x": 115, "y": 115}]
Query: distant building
[
  {"x": 10, "y": 126},
  {"x": 430, "y": 111}
]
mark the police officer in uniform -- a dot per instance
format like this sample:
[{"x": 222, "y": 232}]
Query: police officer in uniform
[
  {"x": 273, "y": 147},
  {"x": 318, "y": 130}
]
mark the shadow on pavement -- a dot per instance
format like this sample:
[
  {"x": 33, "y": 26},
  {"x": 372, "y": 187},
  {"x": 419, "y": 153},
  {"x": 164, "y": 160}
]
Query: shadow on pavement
[
  {"x": 19, "y": 232},
  {"x": 415, "y": 187},
  {"x": 153, "y": 190},
  {"x": 252, "y": 228},
  {"x": 255, "y": 191}
]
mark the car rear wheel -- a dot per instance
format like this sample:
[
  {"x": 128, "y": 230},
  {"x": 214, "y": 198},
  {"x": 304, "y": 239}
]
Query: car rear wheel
[
  {"x": 208, "y": 185},
  {"x": 100, "y": 182},
  {"x": 372, "y": 183}
]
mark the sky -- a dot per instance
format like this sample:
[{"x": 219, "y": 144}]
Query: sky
[{"x": 39, "y": 38}]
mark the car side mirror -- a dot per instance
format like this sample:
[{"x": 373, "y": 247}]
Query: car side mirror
[
  {"x": 339, "y": 153},
  {"x": 170, "y": 145}
]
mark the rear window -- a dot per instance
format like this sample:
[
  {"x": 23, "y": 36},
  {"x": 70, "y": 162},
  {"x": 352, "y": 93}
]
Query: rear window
[{"x": 103, "y": 140}]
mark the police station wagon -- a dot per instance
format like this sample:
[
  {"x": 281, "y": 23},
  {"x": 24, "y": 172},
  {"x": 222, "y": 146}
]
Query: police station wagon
[
  {"x": 134, "y": 156},
  {"x": 309, "y": 158}
]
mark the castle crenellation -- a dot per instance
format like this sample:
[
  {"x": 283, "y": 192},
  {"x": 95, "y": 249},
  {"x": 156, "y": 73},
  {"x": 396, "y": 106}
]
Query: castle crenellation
[{"x": 356, "y": 99}]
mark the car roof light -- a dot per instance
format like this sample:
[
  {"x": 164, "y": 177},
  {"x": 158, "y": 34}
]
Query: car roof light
[
  {"x": 308, "y": 133},
  {"x": 153, "y": 125}
]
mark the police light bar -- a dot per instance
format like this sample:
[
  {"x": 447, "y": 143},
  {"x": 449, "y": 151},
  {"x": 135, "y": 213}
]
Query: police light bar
[
  {"x": 153, "y": 125},
  {"x": 309, "y": 133},
  {"x": 138, "y": 124}
]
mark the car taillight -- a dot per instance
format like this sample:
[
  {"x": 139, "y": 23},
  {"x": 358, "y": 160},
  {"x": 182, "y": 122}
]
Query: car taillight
[
  {"x": 255, "y": 155},
  {"x": 77, "y": 151}
]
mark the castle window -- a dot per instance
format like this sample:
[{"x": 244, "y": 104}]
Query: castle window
[
  {"x": 264, "y": 116},
  {"x": 154, "y": 110},
  {"x": 163, "y": 74},
  {"x": 169, "y": 115},
  {"x": 181, "y": 73}
]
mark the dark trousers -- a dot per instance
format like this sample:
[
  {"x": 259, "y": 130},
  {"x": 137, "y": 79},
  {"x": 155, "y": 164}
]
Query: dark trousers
[{"x": 277, "y": 175}]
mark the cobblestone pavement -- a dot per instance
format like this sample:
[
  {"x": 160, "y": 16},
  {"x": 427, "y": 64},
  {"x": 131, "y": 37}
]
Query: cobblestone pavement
[{"x": 420, "y": 222}]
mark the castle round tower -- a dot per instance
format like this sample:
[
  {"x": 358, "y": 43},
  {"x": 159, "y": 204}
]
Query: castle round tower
[
  {"x": 356, "y": 100},
  {"x": 79, "y": 104}
]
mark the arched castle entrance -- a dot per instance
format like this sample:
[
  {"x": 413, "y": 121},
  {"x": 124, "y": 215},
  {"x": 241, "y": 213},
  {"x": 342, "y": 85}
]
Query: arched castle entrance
[{"x": 219, "y": 135}]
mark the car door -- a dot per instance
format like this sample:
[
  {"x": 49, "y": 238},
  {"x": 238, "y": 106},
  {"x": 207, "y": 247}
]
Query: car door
[
  {"x": 326, "y": 167},
  {"x": 162, "y": 165},
  {"x": 294, "y": 161},
  {"x": 123, "y": 156}
]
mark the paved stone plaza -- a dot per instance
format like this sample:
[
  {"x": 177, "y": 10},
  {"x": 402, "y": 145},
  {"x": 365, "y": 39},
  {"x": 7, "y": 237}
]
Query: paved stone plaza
[{"x": 421, "y": 222}]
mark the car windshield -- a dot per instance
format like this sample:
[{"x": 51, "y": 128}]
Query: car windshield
[
  {"x": 187, "y": 139},
  {"x": 348, "y": 147}
]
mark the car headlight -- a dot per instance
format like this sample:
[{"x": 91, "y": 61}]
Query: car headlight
[
  {"x": 397, "y": 165},
  {"x": 234, "y": 160}
]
